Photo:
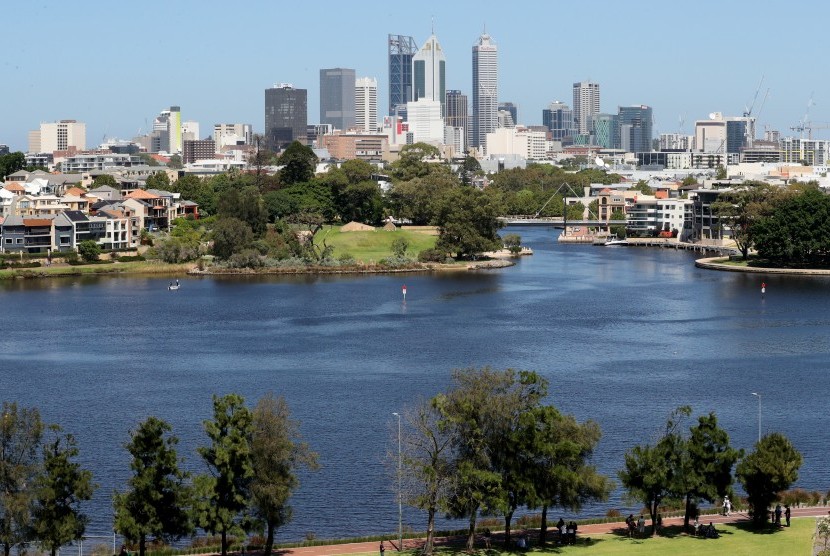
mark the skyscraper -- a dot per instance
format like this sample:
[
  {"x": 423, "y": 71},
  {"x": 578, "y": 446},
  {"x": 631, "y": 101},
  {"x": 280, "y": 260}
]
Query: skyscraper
[
  {"x": 559, "y": 119},
  {"x": 286, "y": 115},
  {"x": 635, "y": 128},
  {"x": 428, "y": 73},
  {"x": 401, "y": 51},
  {"x": 337, "y": 97},
  {"x": 586, "y": 104},
  {"x": 457, "y": 114},
  {"x": 485, "y": 89},
  {"x": 512, "y": 109},
  {"x": 366, "y": 104},
  {"x": 605, "y": 129}
]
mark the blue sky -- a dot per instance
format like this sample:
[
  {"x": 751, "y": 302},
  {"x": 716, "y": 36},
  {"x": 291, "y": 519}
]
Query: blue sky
[{"x": 115, "y": 65}]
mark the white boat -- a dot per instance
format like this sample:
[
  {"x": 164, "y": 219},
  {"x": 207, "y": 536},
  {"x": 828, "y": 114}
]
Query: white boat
[
  {"x": 615, "y": 241},
  {"x": 174, "y": 286}
]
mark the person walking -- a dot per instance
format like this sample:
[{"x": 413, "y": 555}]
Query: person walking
[
  {"x": 778, "y": 515},
  {"x": 487, "y": 535},
  {"x": 641, "y": 525},
  {"x": 787, "y": 513},
  {"x": 382, "y": 549}
]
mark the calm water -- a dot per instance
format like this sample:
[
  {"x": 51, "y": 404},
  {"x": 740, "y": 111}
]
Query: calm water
[{"x": 623, "y": 334}]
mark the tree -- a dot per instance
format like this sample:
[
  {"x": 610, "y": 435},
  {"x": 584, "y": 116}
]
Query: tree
[
  {"x": 247, "y": 205},
  {"x": 513, "y": 242},
  {"x": 707, "y": 464},
  {"x": 222, "y": 496},
  {"x": 230, "y": 235},
  {"x": 771, "y": 468},
  {"x": 21, "y": 430},
  {"x": 418, "y": 199},
  {"x": 280, "y": 204},
  {"x": 298, "y": 164},
  {"x": 642, "y": 187},
  {"x": 61, "y": 488},
  {"x": 721, "y": 173},
  {"x": 469, "y": 170},
  {"x": 399, "y": 247},
  {"x": 740, "y": 208},
  {"x": 468, "y": 222},
  {"x": 428, "y": 464},
  {"x": 360, "y": 202},
  {"x": 175, "y": 162},
  {"x": 797, "y": 231},
  {"x": 413, "y": 161},
  {"x": 89, "y": 250},
  {"x": 651, "y": 471},
  {"x": 158, "y": 180},
  {"x": 561, "y": 473},
  {"x": 11, "y": 163},
  {"x": 277, "y": 451},
  {"x": 105, "y": 179},
  {"x": 157, "y": 499}
]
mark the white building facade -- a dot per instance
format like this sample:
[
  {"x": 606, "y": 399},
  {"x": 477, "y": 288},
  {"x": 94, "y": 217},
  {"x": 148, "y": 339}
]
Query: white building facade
[
  {"x": 366, "y": 104},
  {"x": 485, "y": 90}
]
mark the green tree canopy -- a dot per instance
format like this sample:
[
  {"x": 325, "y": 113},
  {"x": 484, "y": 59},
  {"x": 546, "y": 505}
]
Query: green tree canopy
[
  {"x": 223, "y": 494},
  {"x": 277, "y": 452},
  {"x": 105, "y": 179},
  {"x": 741, "y": 207},
  {"x": 298, "y": 164},
  {"x": 230, "y": 235},
  {"x": 769, "y": 469},
  {"x": 247, "y": 205},
  {"x": 89, "y": 250},
  {"x": 796, "y": 232},
  {"x": 157, "y": 498},
  {"x": 414, "y": 161},
  {"x": 643, "y": 187},
  {"x": 158, "y": 180},
  {"x": 11, "y": 163},
  {"x": 21, "y": 430},
  {"x": 468, "y": 222},
  {"x": 61, "y": 487}
]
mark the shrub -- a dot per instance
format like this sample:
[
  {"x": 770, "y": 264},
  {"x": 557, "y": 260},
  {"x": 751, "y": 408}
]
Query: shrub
[
  {"x": 432, "y": 256},
  {"x": 346, "y": 259},
  {"x": 247, "y": 258},
  {"x": 89, "y": 250},
  {"x": 399, "y": 247},
  {"x": 130, "y": 258}
]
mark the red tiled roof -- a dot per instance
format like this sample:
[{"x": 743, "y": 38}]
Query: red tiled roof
[{"x": 141, "y": 194}]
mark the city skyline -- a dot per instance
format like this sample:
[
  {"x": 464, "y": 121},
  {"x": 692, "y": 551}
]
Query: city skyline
[{"x": 220, "y": 82}]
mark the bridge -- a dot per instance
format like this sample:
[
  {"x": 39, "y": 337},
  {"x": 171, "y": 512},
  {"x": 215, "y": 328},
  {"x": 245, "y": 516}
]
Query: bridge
[{"x": 555, "y": 221}]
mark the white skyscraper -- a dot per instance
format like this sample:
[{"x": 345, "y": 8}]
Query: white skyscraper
[
  {"x": 485, "y": 89},
  {"x": 428, "y": 73},
  {"x": 366, "y": 103},
  {"x": 586, "y": 104}
]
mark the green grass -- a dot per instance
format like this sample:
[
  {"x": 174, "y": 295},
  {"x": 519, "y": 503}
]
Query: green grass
[
  {"x": 374, "y": 245},
  {"x": 134, "y": 267},
  {"x": 735, "y": 540}
]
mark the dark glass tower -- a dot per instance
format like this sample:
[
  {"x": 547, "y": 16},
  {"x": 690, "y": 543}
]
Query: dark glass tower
[
  {"x": 286, "y": 116},
  {"x": 401, "y": 51}
]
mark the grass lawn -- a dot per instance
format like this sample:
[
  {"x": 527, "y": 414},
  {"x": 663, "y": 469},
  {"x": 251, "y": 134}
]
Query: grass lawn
[
  {"x": 133, "y": 267},
  {"x": 733, "y": 541},
  {"x": 374, "y": 245}
]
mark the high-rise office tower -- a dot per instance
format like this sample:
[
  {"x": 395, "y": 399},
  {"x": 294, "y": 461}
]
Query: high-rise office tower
[
  {"x": 485, "y": 89},
  {"x": 337, "y": 90},
  {"x": 401, "y": 51},
  {"x": 286, "y": 115},
  {"x": 559, "y": 119},
  {"x": 635, "y": 128},
  {"x": 586, "y": 104},
  {"x": 605, "y": 128},
  {"x": 511, "y": 109},
  {"x": 429, "y": 73},
  {"x": 366, "y": 104},
  {"x": 457, "y": 114},
  {"x": 58, "y": 136}
]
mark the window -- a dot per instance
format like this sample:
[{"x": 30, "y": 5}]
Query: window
[{"x": 8, "y": 240}]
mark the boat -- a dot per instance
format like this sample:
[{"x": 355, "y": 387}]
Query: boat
[
  {"x": 174, "y": 286},
  {"x": 614, "y": 240}
]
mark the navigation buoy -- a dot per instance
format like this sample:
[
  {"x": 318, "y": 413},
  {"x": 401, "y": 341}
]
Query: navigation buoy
[
  {"x": 403, "y": 291},
  {"x": 763, "y": 287}
]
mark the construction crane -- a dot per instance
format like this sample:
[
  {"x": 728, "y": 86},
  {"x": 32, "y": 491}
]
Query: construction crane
[
  {"x": 748, "y": 109},
  {"x": 804, "y": 124}
]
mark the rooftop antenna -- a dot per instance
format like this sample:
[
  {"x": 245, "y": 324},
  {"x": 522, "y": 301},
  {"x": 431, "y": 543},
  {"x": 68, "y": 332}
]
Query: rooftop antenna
[{"x": 433, "y": 24}]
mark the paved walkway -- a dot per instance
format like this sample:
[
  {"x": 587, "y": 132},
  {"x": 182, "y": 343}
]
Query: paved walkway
[{"x": 584, "y": 530}]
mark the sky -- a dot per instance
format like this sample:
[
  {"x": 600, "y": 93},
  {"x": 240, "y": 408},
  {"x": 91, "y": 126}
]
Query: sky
[{"x": 116, "y": 65}]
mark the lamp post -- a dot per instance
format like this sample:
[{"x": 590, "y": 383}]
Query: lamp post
[
  {"x": 759, "y": 414},
  {"x": 400, "y": 497}
]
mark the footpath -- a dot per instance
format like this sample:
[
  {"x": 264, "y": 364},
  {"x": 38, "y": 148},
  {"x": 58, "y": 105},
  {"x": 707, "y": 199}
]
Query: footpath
[{"x": 584, "y": 531}]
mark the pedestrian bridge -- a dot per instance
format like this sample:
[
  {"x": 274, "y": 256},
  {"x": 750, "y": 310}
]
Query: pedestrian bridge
[{"x": 555, "y": 221}]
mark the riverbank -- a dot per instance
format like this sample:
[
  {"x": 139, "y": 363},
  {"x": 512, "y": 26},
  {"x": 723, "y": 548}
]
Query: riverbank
[
  {"x": 104, "y": 269},
  {"x": 723, "y": 264}
]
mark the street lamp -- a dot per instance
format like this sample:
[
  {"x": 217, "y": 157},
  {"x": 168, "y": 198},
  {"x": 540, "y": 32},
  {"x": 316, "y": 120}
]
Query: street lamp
[
  {"x": 759, "y": 414},
  {"x": 400, "y": 497}
]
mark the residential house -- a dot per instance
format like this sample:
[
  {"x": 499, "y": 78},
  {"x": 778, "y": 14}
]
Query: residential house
[{"x": 27, "y": 234}]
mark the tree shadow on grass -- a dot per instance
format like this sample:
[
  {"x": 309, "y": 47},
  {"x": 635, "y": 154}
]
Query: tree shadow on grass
[{"x": 766, "y": 529}]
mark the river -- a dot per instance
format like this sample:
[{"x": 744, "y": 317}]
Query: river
[{"x": 624, "y": 335}]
